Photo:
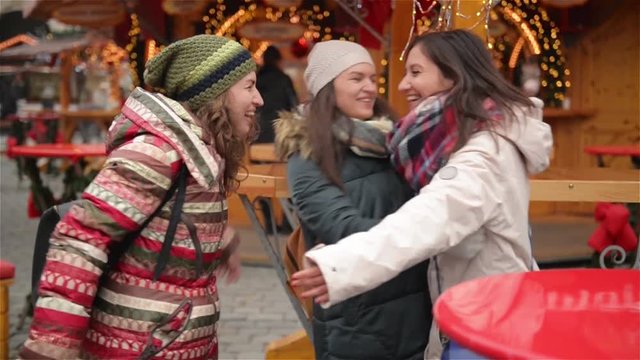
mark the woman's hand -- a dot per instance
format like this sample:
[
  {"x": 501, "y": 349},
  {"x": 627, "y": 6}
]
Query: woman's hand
[
  {"x": 231, "y": 266},
  {"x": 312, "y": 283}
]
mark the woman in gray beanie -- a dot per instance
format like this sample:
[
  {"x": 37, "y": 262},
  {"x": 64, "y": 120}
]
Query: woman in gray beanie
[{"x": 342, "y": 182}]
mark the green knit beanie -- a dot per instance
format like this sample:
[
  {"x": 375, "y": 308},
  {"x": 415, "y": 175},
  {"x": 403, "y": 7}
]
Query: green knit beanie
[{"x": 198, "y": 69}]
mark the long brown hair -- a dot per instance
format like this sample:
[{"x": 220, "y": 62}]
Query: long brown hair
[
  {"x": 231, "y": 147},
  {"x": 322, "y": 113},
  {"x": 462, "y": 57}
]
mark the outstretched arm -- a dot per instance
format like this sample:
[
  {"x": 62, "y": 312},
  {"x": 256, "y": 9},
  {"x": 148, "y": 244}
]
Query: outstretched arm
[{"x": 440, "y": 217}]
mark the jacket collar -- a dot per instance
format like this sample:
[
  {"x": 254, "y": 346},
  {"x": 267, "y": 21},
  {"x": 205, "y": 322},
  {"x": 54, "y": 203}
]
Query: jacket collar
[{"x": 168, "y": 119}]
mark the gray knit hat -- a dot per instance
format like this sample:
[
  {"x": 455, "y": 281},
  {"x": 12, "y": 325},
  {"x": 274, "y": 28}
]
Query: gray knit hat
[
  {"x": 328, "y": 59},
  {"x": 198, "y": 69}
]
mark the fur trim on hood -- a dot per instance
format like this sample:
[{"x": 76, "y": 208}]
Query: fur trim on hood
[
  {"x": 364, "y": 138},
  {"x": 292, "y": 135}
]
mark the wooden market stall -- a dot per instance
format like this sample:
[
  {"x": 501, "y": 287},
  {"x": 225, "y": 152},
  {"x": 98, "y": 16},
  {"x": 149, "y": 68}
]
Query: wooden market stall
[{"x": 588, "y": 77}]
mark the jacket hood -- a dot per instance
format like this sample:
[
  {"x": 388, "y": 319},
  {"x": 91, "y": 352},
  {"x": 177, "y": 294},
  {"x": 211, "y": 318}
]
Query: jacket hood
[
  {"x": 364, "y": 137},
  {"x": 146, "y": 112},
  {"x": 292, "y": 135},
  {"x": 531, "y": 136}
]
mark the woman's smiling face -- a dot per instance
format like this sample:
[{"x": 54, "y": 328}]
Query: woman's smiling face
[
  {"x": 355, "y": 90},
  {"x": 422, "y": 78},
  {"x": 243, "y": 99}
]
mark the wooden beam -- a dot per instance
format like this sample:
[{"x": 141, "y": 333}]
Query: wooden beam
[
  {"x": 573, "y": 185},
  {"x": 400, "y": 27},
  {"x": 66, "y": 69},
  {"x": 585, "y": 191},
  {"x": 294, "y": 346},
  {"x": 263, "y": 153}
]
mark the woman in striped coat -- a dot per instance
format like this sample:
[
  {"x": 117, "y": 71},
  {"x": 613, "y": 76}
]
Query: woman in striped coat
[{"x": 203, "y": 123}]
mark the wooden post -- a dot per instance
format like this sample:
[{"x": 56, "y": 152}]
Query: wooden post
[
  {"x": 400, "y": 27},
  {"x": 4, "y": 317},
  {"x": 7, "y": 275},
  {"x": 466, "y": 16},
  {"x": 65, "y": 79}
]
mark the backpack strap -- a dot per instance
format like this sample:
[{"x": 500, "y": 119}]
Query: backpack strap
[
  {"x": 117, "y": 251},
  {"x": 176, "y": 212}
]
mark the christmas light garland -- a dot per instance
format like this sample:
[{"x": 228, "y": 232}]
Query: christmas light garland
[
  {"x": 134, "y": 33},
  {"x": 543, "y": 37}
]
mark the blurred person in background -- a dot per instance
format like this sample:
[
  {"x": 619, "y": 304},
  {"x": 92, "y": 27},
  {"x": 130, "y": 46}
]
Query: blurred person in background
[{"x": 277, "y": 91}]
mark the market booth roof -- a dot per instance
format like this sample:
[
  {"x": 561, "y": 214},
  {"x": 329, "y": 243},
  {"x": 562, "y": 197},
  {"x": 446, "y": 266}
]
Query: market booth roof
[{"x": 53, "y": 46}]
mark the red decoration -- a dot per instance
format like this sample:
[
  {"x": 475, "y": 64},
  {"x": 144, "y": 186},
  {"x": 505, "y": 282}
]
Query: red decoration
[
  {"x": 614, "y": 228},
  {"x": 300, "y": 48},
  {"x": 32, "y": 209},
  {"x": 59, "y": 138},
  {"x": 11, "y": 142},
  {"x": 378, "y": 12}
]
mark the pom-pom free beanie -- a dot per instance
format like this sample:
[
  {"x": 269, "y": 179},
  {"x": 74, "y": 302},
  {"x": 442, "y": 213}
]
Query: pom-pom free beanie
[
  {"x": 328, "y": 59},
  {"x": 197, "y": 69}
]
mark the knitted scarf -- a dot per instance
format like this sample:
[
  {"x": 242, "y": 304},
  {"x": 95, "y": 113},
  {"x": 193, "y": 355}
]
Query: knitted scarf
[
  {"x": 364, "y": 138},
  {"x": 421, "y": 142}
]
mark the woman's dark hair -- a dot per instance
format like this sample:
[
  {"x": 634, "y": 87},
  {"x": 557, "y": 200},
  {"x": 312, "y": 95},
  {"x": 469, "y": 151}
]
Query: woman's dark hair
[
  {"x": 463, "y": 58},
  {"x": 326, "y": 150}
]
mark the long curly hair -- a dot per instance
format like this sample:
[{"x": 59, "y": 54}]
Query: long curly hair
[{"x": 228, "y": 144}]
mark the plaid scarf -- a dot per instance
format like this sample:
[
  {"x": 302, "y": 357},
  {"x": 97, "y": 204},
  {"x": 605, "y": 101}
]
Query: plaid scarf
[
  {"x": 421, "y": 142},
  {"x": 364, "y": 138}
]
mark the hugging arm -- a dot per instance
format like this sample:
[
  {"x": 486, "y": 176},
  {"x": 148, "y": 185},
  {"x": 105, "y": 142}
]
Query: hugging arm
[
  {"x": 322, "y": 206},
  {"x": 444, "y": 213}
]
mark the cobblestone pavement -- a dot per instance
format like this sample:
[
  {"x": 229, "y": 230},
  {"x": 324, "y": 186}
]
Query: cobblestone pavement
[{"x": 255, "y": 311}]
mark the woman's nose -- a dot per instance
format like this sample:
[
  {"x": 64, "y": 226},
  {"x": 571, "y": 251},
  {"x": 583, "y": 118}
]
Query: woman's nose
[
  {"x": 370, "y": 85},
  {"x": 257, "y": 100},
  {"x": 404, "y": 84}
]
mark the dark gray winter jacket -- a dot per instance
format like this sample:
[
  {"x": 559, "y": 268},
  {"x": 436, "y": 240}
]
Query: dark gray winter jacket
[{"x": 392, "y": 321}]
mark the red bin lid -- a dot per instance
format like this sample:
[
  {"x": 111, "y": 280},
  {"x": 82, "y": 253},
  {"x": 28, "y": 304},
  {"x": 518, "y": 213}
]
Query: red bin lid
[
  {"x": 7, "y": 270},
  {"x": 561, "y": 314}
]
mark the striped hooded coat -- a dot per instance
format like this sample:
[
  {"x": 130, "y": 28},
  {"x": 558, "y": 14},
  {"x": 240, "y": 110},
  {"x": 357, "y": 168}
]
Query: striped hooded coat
[{"x": 129, "y": 314}]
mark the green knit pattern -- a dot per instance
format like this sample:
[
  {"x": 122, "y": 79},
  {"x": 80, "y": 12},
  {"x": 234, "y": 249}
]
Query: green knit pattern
[{"x": 202, "y": 66}]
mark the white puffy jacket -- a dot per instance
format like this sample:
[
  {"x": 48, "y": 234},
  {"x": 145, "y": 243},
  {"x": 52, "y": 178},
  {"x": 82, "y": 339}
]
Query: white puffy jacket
[{"x": 471, "y": 220}]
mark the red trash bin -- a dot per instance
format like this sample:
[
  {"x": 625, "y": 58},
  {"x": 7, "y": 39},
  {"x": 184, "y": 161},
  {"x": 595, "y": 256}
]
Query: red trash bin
[{"x": 552, "y": 314}]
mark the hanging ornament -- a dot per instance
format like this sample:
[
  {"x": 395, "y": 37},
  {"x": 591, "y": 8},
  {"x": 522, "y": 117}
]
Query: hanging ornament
[
  {"x": 420, "y": 7},
  {"x": 300, "y": 48}
]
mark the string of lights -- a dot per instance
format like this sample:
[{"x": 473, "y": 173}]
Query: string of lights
[
  {"x": 134, "y": 33},
  {"x": 217, "y": 22},
  {"x": 543, "y": 38},
  {"x": 539, "y": 34}
]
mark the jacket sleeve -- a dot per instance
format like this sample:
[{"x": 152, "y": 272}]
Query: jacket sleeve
[
  {"x": 127, "y": 190},
  {"x": 322, "y": 206},
  {"x": 461, "y": 197}
]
